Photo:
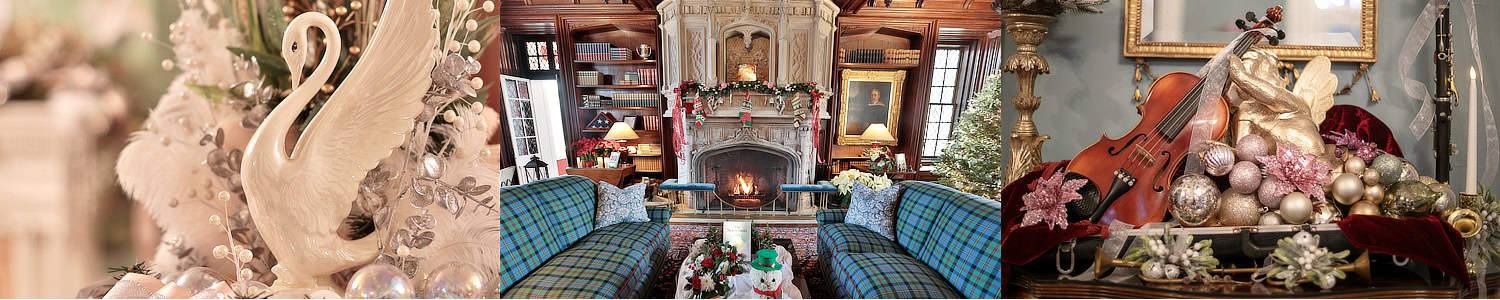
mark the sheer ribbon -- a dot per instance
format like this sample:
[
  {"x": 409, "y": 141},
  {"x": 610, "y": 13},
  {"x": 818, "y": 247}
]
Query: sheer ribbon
[{"x": 1416, "y": 37}]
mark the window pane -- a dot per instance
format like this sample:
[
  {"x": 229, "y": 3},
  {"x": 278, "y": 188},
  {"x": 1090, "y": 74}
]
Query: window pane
[
  {"x": 535, "y": 65},
  {"x": 948, "y": 95},
  {"x": 542, "y": 49},
  {"x": 531, "y": 48},
  {"x": 952, "y": 59},
  {"x": 545, "y": 65},
  {"x": 951, "y": 79}
]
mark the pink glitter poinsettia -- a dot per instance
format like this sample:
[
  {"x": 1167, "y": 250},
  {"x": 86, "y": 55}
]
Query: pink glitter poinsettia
[
  {"x": 1045, "y": 201},
  {"x": 1348, "y": 139},
  {"x": 1303, "y": 172}
]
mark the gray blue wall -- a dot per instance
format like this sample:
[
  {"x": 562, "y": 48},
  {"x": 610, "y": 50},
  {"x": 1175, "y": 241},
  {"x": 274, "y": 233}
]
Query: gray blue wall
[{"x": 1089, "y": 89}]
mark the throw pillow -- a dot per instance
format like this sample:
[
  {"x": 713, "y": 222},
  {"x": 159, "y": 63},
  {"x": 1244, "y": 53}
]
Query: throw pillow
[
  {"x": 873, "y": 209},
  {"x": 618, "y": 205}
]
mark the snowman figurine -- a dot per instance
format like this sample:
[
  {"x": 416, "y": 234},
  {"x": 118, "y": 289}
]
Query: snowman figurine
[{"x": 765, "y": 275}]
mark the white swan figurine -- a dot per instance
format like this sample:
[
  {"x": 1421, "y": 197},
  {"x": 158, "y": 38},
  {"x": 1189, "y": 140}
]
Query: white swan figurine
[{"x": 299, "y": 201}]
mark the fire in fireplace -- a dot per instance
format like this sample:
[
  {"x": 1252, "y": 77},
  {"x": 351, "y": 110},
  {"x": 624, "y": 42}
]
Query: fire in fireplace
[{"x": 747, "y": 178}]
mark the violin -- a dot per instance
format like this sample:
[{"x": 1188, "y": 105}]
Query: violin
[{"x": 1137, "y": 169}]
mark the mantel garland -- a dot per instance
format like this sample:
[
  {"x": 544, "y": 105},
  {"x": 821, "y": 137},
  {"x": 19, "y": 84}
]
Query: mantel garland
[{"x": 711, "y": 96}]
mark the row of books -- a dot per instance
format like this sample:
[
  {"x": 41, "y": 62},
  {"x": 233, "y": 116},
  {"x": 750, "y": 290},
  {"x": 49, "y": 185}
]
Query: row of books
[
  {"x": 640, "y": 77},
  {"x": 599, "y": 51},
  {"x": 622, "y": 100},
  {"x": 651, "y": 123},
  {"x": 886, "y": 56},
  {"x": 590, "y": 77}
]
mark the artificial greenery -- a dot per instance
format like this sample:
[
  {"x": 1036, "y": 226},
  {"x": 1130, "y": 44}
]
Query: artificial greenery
[
  {"x": 1047, "y": 7},
  {"x": 139, "y": 268},
  {"x": 971, "y": 162}
]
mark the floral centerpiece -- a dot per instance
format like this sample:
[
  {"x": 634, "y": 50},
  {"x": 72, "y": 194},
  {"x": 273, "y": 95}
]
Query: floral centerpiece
[
  {"x": 1299, "y": 258},
  {"x": 846, "y": 179},
  {"x": 717, "y": 261},
  {"x": 590, "y": 150},
  {"x": 1174, "y": 257},
  {"x": 880, "y": 159}
]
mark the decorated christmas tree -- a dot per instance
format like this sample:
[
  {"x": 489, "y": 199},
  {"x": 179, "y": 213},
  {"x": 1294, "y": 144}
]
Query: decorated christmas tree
[{"x": 974, "y": 162}]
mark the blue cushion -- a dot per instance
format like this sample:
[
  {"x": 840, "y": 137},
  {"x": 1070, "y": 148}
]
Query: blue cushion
[
  {"x": 673, "y": 185},
  {"x": 618, "y": 205},
  {"x": 873, "y": 209},
  {"x": 821, "y": 187},
  {"x": 845, "y": 237}
]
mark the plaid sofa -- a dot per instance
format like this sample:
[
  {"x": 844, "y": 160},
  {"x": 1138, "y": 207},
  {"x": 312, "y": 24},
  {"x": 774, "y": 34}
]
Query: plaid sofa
[
  {"x": 947, "y": 246},
  {"x": 551, "y": 249}
]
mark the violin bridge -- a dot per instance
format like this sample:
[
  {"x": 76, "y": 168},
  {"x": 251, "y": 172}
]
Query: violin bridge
[{"x": 1145, "y": 154}]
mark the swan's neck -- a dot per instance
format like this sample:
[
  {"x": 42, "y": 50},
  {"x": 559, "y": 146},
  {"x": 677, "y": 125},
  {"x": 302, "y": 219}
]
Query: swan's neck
[{"x": 270, "y": 140}]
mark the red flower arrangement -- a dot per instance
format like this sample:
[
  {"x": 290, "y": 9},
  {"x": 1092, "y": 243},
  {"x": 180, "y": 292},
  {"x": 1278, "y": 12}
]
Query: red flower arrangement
[{"x": 590, "y": 149}]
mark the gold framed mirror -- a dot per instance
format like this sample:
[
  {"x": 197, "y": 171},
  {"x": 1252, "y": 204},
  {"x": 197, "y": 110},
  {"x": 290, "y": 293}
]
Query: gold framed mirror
[{"x": 1342, "y": 30}]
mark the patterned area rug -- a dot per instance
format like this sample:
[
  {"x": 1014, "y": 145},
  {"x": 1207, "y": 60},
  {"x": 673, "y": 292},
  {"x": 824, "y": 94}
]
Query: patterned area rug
[{"x": 804, "y": 251}]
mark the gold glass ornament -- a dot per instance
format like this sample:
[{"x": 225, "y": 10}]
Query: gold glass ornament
[
  {"x": 1296, "y": 208},
  {"x": 1325, "y": 214},
  {"x": 1354, "y": 164},
  {"x": 1346, "y": 189},
  {"x": 1374, "y": 193},
  {"x": 1447, "y": 200},
  {"x": 1364, "y": 208},
  {"x": 1370, "y": 177},
  {"x": 1237, "y": 209},
  {"x": 1408, "y": 199}
]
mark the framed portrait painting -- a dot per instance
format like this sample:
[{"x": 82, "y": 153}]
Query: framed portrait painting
[{"x": 868, "y": 97}]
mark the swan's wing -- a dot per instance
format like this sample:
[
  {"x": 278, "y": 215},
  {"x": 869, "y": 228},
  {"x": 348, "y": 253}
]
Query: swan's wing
[
  {"x": 371, "y": 112},
  {"x": 1316, "y": 86}
]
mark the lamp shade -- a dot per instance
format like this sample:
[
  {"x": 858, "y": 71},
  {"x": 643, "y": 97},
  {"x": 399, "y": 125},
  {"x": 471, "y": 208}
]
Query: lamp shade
[
  {"x": 621, "y": 131},
  {"x": 877, "y": 133}
]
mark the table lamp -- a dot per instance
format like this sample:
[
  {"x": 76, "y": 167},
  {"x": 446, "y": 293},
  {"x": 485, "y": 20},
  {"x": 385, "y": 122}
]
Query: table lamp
[
  {"x": 621, "y": 131},
  {"x": 876, "y": 134}
]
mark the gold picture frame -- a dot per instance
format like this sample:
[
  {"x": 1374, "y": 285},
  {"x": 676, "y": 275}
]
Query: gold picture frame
[
  {"x": 884, "y": 87},
  {"x": 1136, "y": 46}
]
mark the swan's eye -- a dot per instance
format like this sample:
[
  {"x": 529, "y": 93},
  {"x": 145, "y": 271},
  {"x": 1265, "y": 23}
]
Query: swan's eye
[{"x": 294, "y": 46}]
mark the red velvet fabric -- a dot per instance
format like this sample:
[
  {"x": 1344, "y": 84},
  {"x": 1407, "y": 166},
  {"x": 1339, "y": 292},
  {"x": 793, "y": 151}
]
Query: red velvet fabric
[
  {"x": 1429, "y": 240},
  {"x": 1021, "y": 244},
  {"x": 1363, "y": 124}
]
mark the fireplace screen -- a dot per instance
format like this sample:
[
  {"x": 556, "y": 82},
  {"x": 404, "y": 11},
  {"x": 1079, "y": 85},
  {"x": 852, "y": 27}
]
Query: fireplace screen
[{"x": 746, "y": 178}]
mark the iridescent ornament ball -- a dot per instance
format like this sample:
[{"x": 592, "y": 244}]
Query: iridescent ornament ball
[
  {"x": 455, "y": 280},
  {"x": 379, "y": 281},
  {"x": 1217, "y": 159}
]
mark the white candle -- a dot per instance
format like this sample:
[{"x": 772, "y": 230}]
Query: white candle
[{"x": 1471, "y": 169}]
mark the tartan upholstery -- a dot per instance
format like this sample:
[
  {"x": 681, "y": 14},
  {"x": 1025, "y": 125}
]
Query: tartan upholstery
[
  {"x": 888, "y": 275},
  {"x": 552, "y": 249},
  {"x": 831, "y": 216},
  {"x": 951, "y": 235},
  {"x": 659, "y": 214},
  {"x": 851, "y": 238}
]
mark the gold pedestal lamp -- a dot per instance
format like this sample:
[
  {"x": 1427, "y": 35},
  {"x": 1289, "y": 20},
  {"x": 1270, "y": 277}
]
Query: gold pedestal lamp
[{"x": 1027, "y": 30}]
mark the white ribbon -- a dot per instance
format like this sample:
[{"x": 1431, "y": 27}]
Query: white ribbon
[{"x": 1421, "y": 29}]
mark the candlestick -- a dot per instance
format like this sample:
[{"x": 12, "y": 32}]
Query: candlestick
[{"x": 1471, "y": 168}]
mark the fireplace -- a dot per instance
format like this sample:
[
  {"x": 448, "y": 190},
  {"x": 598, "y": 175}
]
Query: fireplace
[{"x": 748, "y": 177}]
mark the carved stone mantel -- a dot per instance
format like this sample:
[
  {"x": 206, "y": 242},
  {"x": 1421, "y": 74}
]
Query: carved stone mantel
[{"x": 797, "y": 41}]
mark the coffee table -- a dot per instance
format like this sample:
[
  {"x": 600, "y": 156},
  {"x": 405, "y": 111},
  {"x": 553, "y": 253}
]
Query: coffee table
[{"x": 740, "y": 285}]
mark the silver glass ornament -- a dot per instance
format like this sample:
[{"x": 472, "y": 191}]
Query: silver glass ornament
[
  {"x": 1296, "y": 208},
  {"x": 1251, "y": 146},
  {"x": 1447, "y": 200},
  {"x": 1194, "y": 198},
  {"x": 196, "y": 279},
  {"x": 1370, "y": 177},
  {"x": 1270, "y": 218},
  {"x": 1237, "y": 209},
  {"x": 379, "y": 281},
  {"x": 455, "y": 280},
  {"x": 1408, "y": 171},
  {"x": 1244, "y": 177},
  {"x": 1389, "y": 167},
  {"x": 1217, "y": 159}
]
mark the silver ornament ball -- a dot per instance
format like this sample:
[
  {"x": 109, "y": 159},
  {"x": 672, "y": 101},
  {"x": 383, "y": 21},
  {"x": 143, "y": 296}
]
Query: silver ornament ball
[
  {"x": 455, "y": 280},
  {"x": 1389, "y": 166},
  {"x": 1194, "y": 198},
  {"x": 1270, "y": 218},
  {"x": 1217, "y": 159}
]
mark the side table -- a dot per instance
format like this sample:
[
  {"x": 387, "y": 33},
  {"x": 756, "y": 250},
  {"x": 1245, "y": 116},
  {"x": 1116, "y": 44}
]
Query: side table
[{"x": 615, "y": 176}]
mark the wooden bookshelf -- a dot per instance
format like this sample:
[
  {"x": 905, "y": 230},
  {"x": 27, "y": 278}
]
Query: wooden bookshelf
[
  {"x": 628, "y": 32},
  {"x": 877, "y": 66}
]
